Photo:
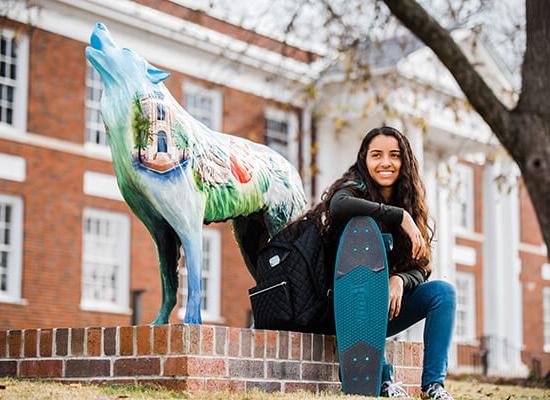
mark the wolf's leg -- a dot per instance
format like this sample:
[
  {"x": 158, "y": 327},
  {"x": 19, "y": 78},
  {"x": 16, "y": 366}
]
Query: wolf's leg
[
  {"x": 168, "y": 245},
  {"x": 252, "y": 235},
  {"x": 192, "y": 246},
  {"x": 275, "y": 218}
]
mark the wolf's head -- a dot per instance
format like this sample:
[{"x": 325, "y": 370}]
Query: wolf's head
[{"x": 120, "y": 66}]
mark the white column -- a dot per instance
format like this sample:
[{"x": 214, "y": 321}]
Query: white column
[
  {"x": 306, "y": 151},
  {"x": 502, "y": 300},
  {"x": 444, "y": 266},
  {"x": 416, "y": 139}
]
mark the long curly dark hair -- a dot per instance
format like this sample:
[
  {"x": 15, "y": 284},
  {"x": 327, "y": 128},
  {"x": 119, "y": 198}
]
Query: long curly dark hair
[{"x": 408, "y": 193}]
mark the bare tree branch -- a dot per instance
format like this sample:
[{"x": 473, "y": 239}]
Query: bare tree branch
[{"x": 418, "y": 21}]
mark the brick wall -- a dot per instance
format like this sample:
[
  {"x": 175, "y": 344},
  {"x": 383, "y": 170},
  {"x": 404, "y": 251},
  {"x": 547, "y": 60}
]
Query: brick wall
[
  {"x": 190, "y": 357},
  {"x": 533, "y": 284}
]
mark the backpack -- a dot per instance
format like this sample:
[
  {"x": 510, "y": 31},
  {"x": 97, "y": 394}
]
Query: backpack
[{"x": 293, "y": 286}]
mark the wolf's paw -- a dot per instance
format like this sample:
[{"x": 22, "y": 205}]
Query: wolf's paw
[{"x": 192, "y": 317}]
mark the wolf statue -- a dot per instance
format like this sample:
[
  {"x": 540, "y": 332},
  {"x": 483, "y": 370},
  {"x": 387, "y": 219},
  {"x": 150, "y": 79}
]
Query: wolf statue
[{"x": 176, "y": 174}]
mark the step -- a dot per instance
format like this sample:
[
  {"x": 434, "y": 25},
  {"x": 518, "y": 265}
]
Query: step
[{"x": 190, "y": 357}]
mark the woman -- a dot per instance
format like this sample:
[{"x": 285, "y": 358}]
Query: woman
[{"x": 384, "y": 183}]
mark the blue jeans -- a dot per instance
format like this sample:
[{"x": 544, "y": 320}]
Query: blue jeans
[{"x": 435, "y": 301}]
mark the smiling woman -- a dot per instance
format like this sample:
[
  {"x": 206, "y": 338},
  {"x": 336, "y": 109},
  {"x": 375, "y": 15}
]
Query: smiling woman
[
  {"x": 384, "y": 162},
  {"x": 384, "y": 183}
]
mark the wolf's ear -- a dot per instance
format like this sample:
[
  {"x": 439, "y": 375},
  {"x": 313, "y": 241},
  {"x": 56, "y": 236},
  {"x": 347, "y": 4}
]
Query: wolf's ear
[{"x": 156, "y": 75}]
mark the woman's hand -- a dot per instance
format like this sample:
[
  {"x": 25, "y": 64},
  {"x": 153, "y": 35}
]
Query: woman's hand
[
  {"x": 396, "y": 294},
  {"x": 418, "y": 243}
]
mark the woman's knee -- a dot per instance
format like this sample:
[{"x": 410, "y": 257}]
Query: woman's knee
[{"x": 443, "y": 292}]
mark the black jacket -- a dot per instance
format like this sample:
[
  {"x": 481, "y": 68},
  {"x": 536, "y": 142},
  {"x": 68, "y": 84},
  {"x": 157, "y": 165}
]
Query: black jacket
[{"x": 344, "y": 205}]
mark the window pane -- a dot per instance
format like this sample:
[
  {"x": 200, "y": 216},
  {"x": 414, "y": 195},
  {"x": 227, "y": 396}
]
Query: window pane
[
  {"x": 95, "y": 130},
  {"x": 200, "y": 104},
  {"x": 102, "y": 257}
]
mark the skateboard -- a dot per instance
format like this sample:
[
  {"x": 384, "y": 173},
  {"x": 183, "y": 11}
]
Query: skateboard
[{"x": 361, "y": 305}]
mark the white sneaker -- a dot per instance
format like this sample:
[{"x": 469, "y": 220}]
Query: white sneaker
[
  {"x": 393, "y": 389},
  {"x": 436, "y": 392}
]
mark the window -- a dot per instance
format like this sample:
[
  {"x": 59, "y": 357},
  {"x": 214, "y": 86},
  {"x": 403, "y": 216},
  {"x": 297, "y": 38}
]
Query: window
[
  {"x": 546, "y": 317},
  {"x": 105, "y": 261},
  {"x": 161, "y": 113},
  {"x": 11, "y": 247},
  {"x": 95, "y": 129},
  {"x": 281, "y": 133},
  {"x": 465, "y": 308},
  {"x": 13, "y": 78},
  {"x": 464, "y": 200},
  {"x": 210, "y": 294},
  {"x": 204, "y": 105}
]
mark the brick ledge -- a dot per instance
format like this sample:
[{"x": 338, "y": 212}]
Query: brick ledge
[{"x": 190, "y": 357}]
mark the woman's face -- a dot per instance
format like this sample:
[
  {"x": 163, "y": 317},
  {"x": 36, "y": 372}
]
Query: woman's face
[{"x": 384, "y": 160}]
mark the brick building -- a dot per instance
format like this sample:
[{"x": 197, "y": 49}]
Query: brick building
[{"x": 72, "y": 253}]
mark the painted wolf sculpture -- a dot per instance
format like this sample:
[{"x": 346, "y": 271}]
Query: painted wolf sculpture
[{"x": 176, "y": 174}]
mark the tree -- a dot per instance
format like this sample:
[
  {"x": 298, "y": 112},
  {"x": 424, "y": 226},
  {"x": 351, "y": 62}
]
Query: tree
[{"x": 524, "y": 130}]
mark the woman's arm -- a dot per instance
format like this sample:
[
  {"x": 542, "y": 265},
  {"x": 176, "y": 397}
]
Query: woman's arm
[
  {"x": 344, "y": 205},
  {"x": 411, "y": 279}
]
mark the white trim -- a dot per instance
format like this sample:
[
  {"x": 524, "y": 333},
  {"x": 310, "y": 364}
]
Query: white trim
[
  {"x": 291, "y": 119},
  {"x": 15, "y": 258},
  {"x": 121, "y": 305},
  {"x": 13, "y": 167},
  {"x": 533, "y": 249},
  {"x": 469, "y": 235},
  {"x": 215, "y": 95},
  {"x": 468, "y": 279},
  {"x": 33, "y": 139},
  {"x": 545, "y": 271},
  {"x": 101, "y": 185},
  {"x": 464, "y": 255}
]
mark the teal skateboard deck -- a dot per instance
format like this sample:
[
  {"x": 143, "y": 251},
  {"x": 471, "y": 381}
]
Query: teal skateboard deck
[{"x": 361, "y": 305}]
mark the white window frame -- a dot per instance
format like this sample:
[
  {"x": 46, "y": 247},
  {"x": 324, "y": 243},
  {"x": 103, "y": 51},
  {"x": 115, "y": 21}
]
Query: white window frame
[
  {"x": 121, "y": 305},
  {"x": 546, "y": 317},
  {"x": 213, "y": 312},
  {"x": 291, "y": 120},
  {"x": 545, "y": 271},
  {"x": 21, "y": 80},
  {"x": 15, "y": 259},
  {"x": 192, "y": 89},
  {"x": 464, "y": 180},
  {"x": 469, "y": 337},
  {"x": 93, "y": 105}
]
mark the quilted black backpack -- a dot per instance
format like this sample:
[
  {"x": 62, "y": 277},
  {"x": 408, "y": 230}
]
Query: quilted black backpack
[{"x": 293, "y": 287}]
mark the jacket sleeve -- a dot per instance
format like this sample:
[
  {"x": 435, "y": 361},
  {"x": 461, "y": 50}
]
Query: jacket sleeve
[
  {"x": 344, "y": 205},
  {"x": 411, "y": 279}
]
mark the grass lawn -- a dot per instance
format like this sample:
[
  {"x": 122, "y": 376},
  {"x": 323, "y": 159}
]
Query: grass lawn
[{"x": 19, "y": 389}]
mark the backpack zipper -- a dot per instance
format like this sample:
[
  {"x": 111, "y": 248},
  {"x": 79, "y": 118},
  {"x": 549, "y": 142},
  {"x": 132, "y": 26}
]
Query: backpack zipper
[{"x": 283, "y": 283}]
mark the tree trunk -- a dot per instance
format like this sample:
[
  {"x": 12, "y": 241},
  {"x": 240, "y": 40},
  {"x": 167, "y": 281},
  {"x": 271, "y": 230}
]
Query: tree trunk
[{"x": 524, "y": 131}]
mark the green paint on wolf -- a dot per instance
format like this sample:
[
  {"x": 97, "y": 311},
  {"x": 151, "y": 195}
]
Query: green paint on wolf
[{"x": 226, "y": 199}]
